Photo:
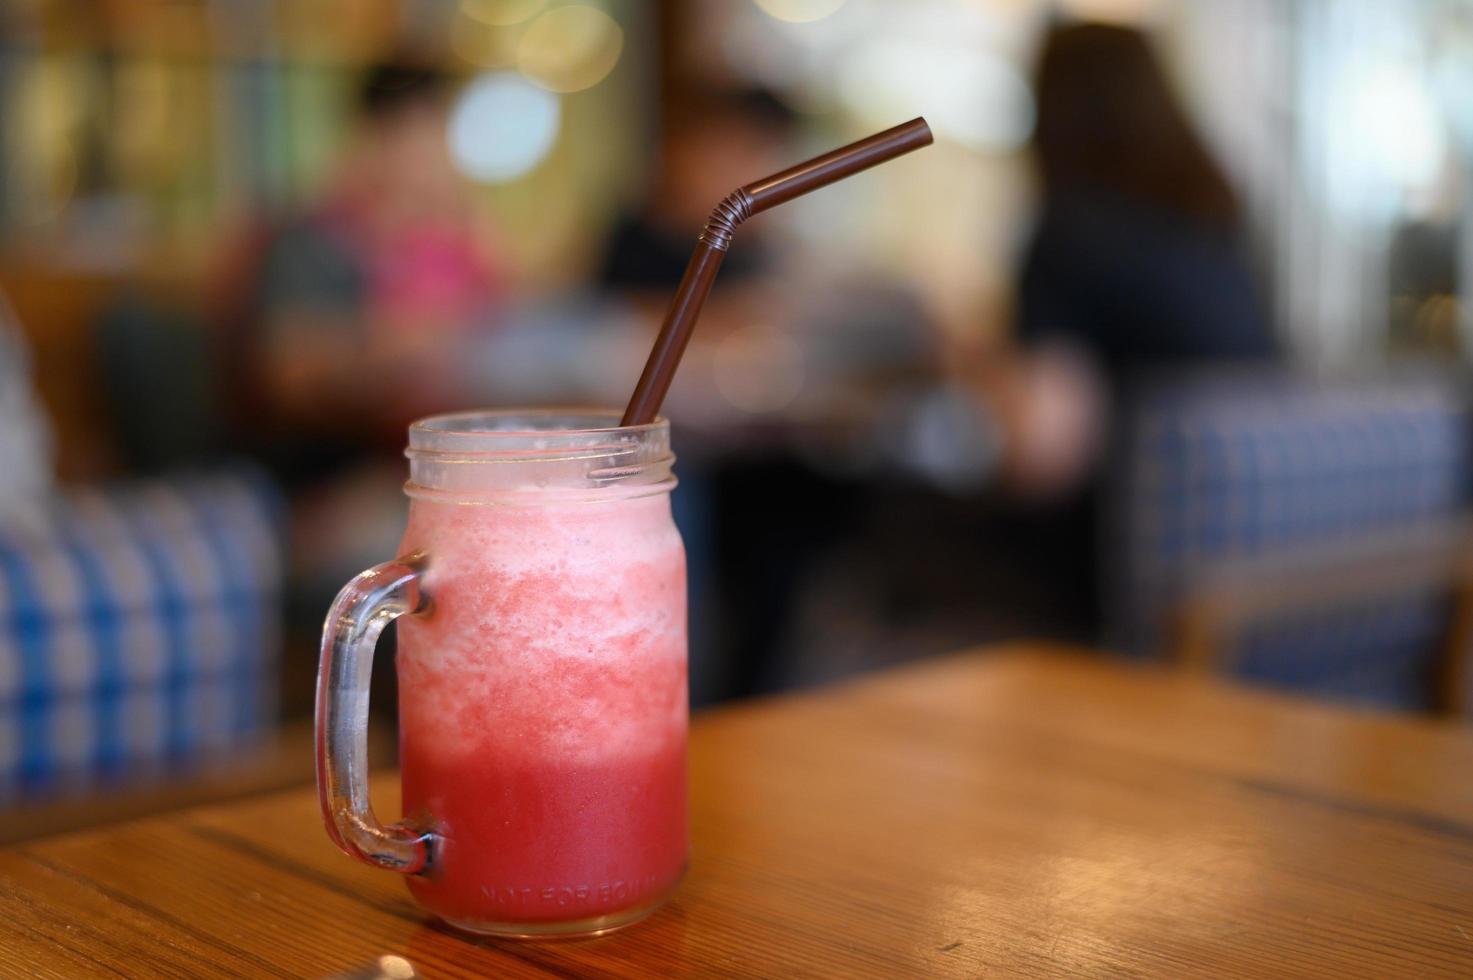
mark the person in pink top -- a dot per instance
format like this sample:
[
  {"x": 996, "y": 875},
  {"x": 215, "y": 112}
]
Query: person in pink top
[{"x": 362, "y": 305}]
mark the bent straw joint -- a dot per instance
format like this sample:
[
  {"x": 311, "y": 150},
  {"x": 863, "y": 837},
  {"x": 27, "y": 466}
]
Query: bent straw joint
[{"x": 735, "y": 208}]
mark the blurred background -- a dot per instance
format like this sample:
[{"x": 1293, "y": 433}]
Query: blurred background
[{"x": 1162, "y": 349}]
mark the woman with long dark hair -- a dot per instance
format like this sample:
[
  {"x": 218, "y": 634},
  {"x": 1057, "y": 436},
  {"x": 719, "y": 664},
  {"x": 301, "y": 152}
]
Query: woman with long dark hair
[
  {"x": 1137, "y": 256},
  {"x": 1136, "y": 263},
  {"x": 1135, "y": 266}
]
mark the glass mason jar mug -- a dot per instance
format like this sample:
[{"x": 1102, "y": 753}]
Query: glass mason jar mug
[{"x": 540, "y": 595}]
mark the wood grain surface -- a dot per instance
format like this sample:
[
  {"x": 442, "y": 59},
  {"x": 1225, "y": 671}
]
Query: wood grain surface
[{"x": 1006, "y": 812}]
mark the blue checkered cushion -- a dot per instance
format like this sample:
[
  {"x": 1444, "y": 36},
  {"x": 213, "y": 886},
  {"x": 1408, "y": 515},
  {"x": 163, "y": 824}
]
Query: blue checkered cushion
[
  {"x": 138, "y": 630},
  {"x": 1229, "y": 466}
]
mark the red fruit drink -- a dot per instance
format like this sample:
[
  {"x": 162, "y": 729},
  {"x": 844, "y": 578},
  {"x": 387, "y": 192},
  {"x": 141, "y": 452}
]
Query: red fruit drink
[
  {"x": 540, "y": 596},
  {"x": 542, "y": 709}
]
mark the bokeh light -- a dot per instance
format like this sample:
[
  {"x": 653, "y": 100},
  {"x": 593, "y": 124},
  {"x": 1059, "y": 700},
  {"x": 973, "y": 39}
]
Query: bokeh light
[
  {"x": 502, "y": 126},
  {"x": 570, "y": 48},
  {"x": 481, "y": 44},
  {"x": 501, "y": 13},
  {"x": 1385, "y": 136},
  {"x": 799, "y": 11}
]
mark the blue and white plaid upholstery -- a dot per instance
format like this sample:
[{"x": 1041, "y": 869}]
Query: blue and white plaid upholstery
[
  {"x": 138, "y": 630},
  {"x": 1223, "y": 467}
]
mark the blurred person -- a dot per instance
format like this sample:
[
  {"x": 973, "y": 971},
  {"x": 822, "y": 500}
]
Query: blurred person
[
  {"x": 766, "y": 321},
  {"x": 1136, "y": 262},
  {"x": 709, "y": 146},
  {"x": 362, "y": 304},
  {"x": 1138, "y": 255},
  {"x": 1136, "y": 266}
]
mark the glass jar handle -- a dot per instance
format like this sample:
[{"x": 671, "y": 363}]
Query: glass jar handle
[{"x": 358, "y": 615}]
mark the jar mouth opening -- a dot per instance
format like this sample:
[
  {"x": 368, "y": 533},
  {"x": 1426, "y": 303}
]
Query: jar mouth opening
[
  {"x": 522, "y": 434},
  {"x": 546, "y": 452},
  {"x": 509, "y": 422}
]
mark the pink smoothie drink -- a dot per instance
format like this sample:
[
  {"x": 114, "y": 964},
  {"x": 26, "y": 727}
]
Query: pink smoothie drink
[{"x": 543, "y": 708}]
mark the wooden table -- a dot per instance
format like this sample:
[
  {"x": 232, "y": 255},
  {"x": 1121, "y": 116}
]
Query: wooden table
[{"x": 1002, "y": 812}]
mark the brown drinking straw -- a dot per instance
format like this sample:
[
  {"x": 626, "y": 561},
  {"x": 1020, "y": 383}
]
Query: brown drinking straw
[{"x": 715, "y": 239}]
